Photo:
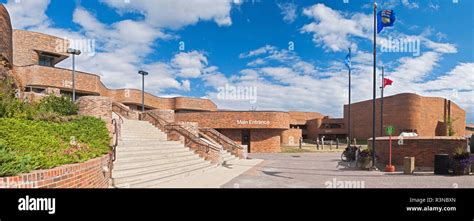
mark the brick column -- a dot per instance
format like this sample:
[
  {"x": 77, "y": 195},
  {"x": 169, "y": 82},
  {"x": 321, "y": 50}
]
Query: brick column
[{"x": 94, "y": 106}]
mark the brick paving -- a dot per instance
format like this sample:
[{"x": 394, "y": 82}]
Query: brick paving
[{"x": 317, "y": 170}]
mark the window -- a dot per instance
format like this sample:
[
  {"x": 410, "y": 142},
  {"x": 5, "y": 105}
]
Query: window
[
  {"x": 46, "y": 61},
  {"x": 332, "y": 126}
]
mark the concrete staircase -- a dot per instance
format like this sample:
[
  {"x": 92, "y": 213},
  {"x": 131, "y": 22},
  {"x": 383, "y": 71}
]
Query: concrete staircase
[{"x": 145, "y": 158}]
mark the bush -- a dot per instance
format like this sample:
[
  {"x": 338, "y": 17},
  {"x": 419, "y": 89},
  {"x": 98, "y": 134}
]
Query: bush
[
  {"x": 61, "y": 105},
  {"x": 27, "y": 145},
  {"x": 10, "y": 105}
]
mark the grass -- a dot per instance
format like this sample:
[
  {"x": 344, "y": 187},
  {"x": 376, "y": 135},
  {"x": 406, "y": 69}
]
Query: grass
[{"x": 27, "y": 145}]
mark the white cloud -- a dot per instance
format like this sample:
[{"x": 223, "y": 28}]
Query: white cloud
[
  {"x": 263, "y": 50},
  {"x": 123, "y": 45},
  {"x": 28, "y": 13},
  {"x": 177, "y": 13},
  {"x": 288, "y": 10},
  {"x": 410, "y": 5},
  {"x": 332, "y": 30},
  {"x": 446, "y": 48},
  {"x": 190, "y": 65},
  {"x": 462, "y": 76},
  {"x": 415, "y": 68},
  {"x": 268, "y": 53}
]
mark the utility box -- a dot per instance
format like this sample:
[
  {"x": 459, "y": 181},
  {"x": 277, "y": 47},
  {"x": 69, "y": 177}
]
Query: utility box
[
  {"x": 441, "y": 162},
  {"x": 408, "y": 165}
]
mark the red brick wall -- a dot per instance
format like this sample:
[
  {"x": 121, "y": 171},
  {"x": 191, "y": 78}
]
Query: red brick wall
[
  {"x": 265, "y": 141},
  {"x": 406, "y": 111},
  {"x": 423, "y": 149},
  {"x": 87, "y": 83},
  {"x": 228, "y": 119},
  {"x": 89, "y": 174},
  {"x": 235, "y": 135},
  {"x": 25, "y": 44},
  {"x": 286, "y": 134},
  {"x": 261, "y": 140},
  {"x": 6, "y": 45}
]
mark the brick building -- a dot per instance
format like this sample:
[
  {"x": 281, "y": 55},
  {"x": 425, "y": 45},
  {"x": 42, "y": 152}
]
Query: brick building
[
  {"x": 31, "y": 58},
  {"x": 407, "y": 112}
]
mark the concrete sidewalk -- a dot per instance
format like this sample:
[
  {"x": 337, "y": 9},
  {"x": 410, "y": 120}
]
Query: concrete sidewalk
[{"x": 214, "y": 178}]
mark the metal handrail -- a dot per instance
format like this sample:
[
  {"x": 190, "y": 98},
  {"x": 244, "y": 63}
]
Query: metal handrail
[
  {"x": 166, "y": 127},
  {"x": 221, "y": 137},
  {"x": 117, "y": 133},
  {"x": 121, "y": 107}
]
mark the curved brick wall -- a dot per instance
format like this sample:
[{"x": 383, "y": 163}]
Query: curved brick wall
[
  {"x": 89, "y": 174},
  {"x": 25, "y": 45},
  {"x": 35, "y": 75},
  {"x": 407, "y": 111},
  {"x": 229, "y": 119},
  {"x": 6, "y": 47}
]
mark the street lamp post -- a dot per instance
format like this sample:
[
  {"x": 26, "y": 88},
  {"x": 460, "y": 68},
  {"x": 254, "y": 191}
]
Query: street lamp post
[
  {"x": 143, "y": 74},
  {"x": 74, "y": 52}
]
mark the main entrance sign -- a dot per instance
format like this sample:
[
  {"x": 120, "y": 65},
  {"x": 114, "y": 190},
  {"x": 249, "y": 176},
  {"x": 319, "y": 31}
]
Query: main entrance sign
[{"x": 253, "y": 122}]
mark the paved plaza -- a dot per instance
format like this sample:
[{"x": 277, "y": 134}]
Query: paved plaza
[{"x": 322, "y": 170}]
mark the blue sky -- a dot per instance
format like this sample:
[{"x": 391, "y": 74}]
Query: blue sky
[{"x": 245, "y": 45}]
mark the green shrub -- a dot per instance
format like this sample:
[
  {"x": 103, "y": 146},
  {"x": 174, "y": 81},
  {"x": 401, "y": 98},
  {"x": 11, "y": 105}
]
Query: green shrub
[
  {"x": 11, "y": 106},
  {"x": 27, "y": 145},
  {"x": 61, "y": 105}
]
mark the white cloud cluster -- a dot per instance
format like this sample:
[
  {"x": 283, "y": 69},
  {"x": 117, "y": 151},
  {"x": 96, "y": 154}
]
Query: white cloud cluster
[
  {"x": 122, "y": 46},
  {"x": 28, "y": 13},
  {"x": 410, "y": 5},
  {"x": 288, "y": 10},
  {"x": 300, "y": 85},
  {"x": 332, "y": 30},
  {"x": 177, "y": 13},
  {"x": 190, "y": 65}
]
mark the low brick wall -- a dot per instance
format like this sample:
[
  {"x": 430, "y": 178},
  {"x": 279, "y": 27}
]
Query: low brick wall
[
  {"x": 423, "y": 149},
  {"x": 291, "y": 136},
  {"x": 89, "y": 174}
]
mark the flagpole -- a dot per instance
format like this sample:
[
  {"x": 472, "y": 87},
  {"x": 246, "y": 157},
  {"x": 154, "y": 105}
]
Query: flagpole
[
  {"x": 381, "y": 103},
  {"x": 374, "y": 85},
  {"x": 349, "y": 123}
]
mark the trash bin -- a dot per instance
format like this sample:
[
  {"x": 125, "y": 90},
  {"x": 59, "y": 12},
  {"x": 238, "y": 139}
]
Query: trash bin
[
  {"x": 441, "y": 164},
  {"x": 408, "y": 165}
]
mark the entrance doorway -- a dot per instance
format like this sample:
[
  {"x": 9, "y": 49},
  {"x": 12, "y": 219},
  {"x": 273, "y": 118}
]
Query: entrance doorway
[{"x": 246, "y": 139}]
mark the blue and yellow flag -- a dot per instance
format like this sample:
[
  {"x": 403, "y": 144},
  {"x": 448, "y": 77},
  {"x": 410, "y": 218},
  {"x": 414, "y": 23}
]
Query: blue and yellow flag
[{"x": 385, "y": 18}]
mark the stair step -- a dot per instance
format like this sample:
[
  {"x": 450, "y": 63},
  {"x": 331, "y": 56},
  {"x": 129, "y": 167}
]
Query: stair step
[
  {"x": 137, "y": 164},
  {"x": 157, "y": 175},
  {"x": 151, "y": 152},
  {"x": 156, "y": 183},
  {"x": 144, "y": 139},
  {"x": 152, "y": 157},
  {"x": 134, "y": 171},
  {"x": 157, "y": 143},
  {"x": 144, "y": 149}
]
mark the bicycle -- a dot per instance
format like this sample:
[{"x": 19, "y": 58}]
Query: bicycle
[{"x": 349, "y": 154}]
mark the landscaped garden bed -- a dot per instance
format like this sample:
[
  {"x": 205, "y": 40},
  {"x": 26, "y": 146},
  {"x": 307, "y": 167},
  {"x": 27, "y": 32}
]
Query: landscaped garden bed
[{"x": 46, "y": 134}]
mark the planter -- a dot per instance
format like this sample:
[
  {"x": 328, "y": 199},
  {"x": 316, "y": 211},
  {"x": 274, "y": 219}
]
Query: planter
[
  {"x": 462, "y": 170},
  {"x": 365, "y": 163}
]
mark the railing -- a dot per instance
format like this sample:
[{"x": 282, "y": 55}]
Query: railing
[
  {"x": 123, "y": 110},
  {"x": 191, "y": 140},
  {"x": 223, "y": 140},
  {"x": 117, "y": 134}
]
